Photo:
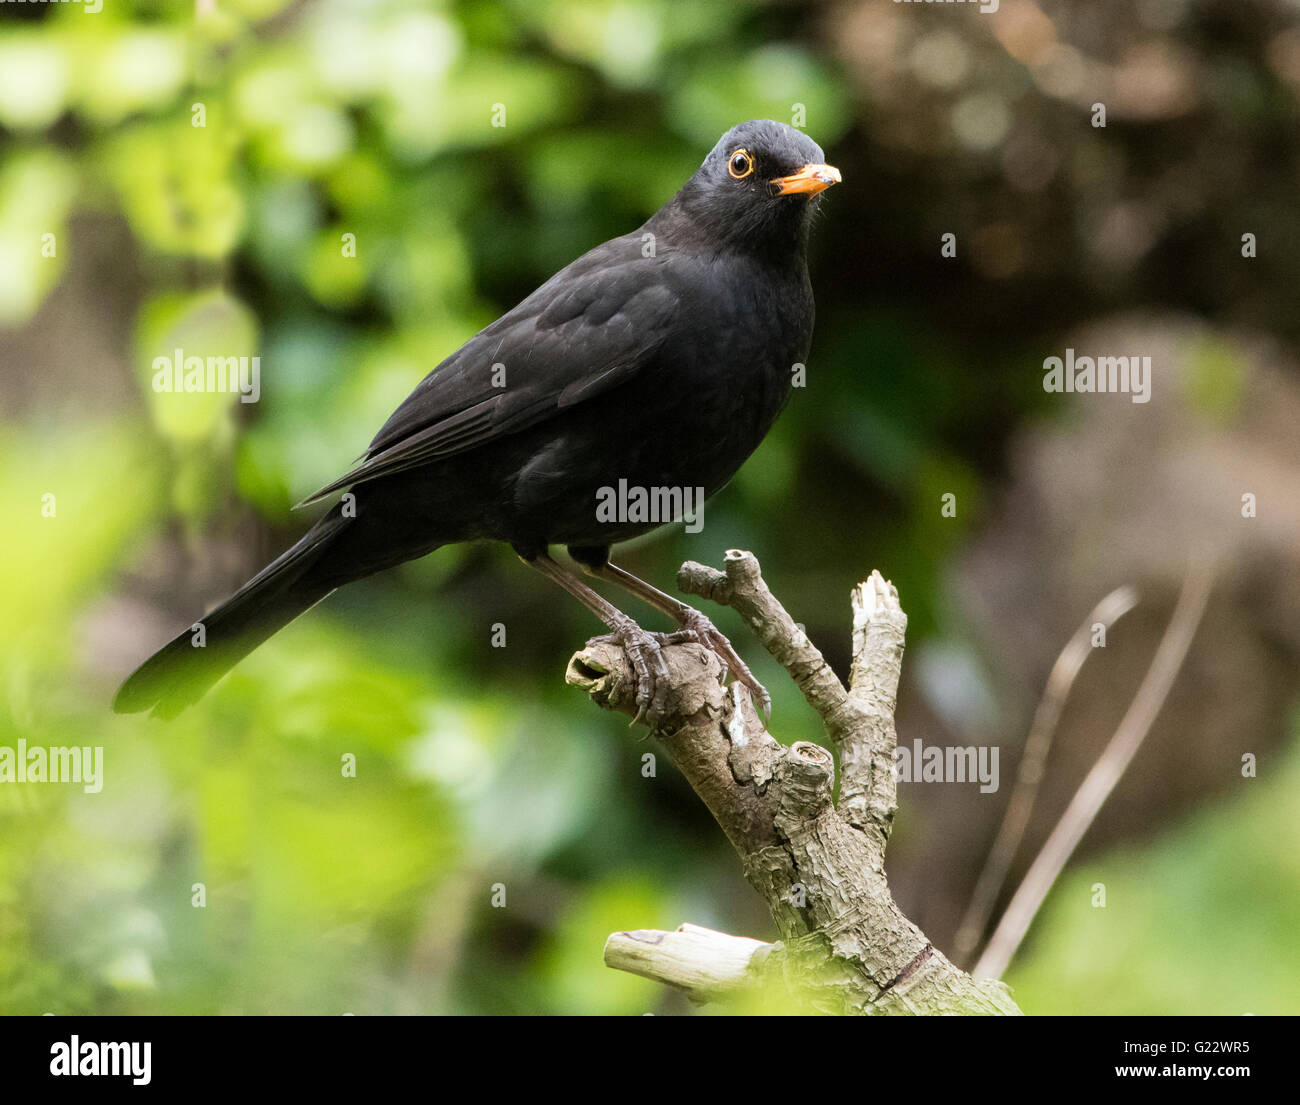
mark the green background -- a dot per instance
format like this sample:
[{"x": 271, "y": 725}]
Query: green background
[{"x": 476, "y": 766}]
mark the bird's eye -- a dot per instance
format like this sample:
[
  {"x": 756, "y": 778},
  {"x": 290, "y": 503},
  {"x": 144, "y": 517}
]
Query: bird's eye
[{"x": 740, "y": 164}]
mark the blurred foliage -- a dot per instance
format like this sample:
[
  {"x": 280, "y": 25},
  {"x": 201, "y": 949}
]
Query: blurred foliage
[
  {"x": 332, "y": 122},
  {"x": 1172, "y": 936}
]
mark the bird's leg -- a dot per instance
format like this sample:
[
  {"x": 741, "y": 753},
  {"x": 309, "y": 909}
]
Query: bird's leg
[
  {"x": 695, "y": 626},
  {"x": 644, "y": 649}
]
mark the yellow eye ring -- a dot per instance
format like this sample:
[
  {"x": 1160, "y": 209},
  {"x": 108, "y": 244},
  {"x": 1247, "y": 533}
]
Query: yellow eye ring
[{"x": 740, "y": 164}]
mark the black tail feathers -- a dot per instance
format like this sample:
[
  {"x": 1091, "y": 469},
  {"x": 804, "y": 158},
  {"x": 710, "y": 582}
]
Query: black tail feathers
[{"x": 182, "y": 671}]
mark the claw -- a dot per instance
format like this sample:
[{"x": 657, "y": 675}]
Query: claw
[
  {"x": 697, "y": 627},
  {"x": 645, "y": 653}
]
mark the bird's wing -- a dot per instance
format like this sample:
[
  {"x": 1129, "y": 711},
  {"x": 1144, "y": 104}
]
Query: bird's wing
[{"x": 589, "y": 328}]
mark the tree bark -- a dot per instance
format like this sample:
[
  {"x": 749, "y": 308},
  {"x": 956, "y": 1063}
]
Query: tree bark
[{"x": 817, "y": 861}]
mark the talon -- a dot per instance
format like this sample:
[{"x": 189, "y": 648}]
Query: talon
[
  {"x": 699, "y": 628},
  {"x": 645, "y": 653}
]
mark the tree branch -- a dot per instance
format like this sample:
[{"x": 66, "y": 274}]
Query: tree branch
[
  {"x": 704, "y": 963},
  {"x": 1033, "y": 762},
  {"x": 1105, "y": 773},
  {"x": 819, "y": 865}
]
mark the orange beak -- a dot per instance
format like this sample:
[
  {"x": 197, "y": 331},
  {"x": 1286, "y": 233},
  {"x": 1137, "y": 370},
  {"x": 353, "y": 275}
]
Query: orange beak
[{"x": 809, "y": 180}]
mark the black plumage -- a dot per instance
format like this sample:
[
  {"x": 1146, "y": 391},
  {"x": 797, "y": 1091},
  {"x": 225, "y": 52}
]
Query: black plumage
[{"x": 660, "y": 358}]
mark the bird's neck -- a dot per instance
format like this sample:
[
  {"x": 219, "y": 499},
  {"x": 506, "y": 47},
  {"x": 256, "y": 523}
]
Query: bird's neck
[{"x": 693, "y": 221}]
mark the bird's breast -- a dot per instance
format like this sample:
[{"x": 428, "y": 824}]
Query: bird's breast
[{"x": 683, "y": 424}]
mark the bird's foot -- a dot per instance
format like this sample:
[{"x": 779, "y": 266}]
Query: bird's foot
[
  {"x": 645, "y": 653},
  {"x": 698, "y": 628}
]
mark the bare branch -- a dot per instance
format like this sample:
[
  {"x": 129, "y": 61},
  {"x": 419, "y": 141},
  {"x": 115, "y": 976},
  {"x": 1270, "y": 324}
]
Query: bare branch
[
  {"x": 1105, "y": 773},
  {"x": 845, "y": 945},
  {"x": 868, "y": 791},
  {"x": 1032, "y": 763},
  {"x": 706, "y": 964},
  {"x": 742, "y": 588}
]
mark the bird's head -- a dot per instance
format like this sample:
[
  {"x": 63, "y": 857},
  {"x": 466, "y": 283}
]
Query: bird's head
[{"x": 758, "y": 187}]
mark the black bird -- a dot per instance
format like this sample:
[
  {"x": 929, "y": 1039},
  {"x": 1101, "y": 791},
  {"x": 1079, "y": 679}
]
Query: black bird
[{"x": 660, "y": 358}]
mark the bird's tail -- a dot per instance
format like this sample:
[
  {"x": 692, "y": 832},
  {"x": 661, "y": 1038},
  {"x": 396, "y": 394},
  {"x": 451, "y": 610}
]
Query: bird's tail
[{"x": 182, "y": 671}]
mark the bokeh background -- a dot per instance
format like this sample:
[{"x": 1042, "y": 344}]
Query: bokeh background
[{"x": 477, "y": 765}]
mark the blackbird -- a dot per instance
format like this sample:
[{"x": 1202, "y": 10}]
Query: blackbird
[{"x": 661, "y": 358}]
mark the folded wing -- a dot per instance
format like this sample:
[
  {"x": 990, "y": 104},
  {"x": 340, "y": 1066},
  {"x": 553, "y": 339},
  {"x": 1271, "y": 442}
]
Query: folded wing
[{"x": 590, "y": 328}]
